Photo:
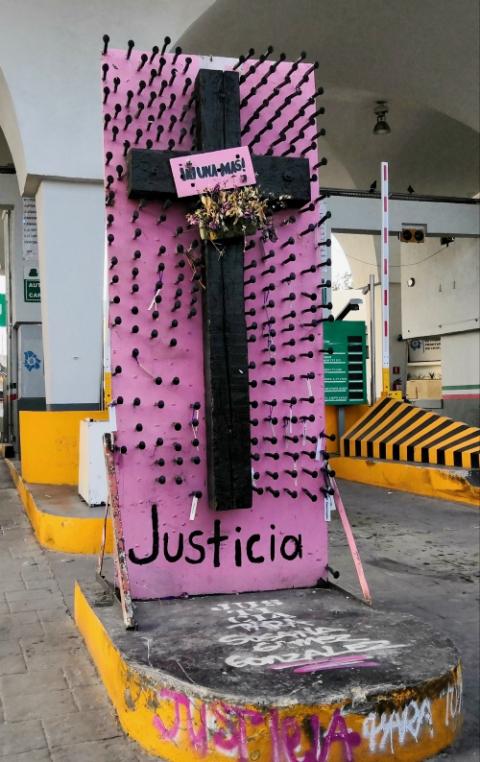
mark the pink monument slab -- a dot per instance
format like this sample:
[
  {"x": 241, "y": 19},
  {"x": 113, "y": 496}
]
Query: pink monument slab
[{"x": 175, "y": 544}]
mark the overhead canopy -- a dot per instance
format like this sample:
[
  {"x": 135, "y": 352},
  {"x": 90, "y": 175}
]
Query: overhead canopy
[{"x": 421, "y": 57}]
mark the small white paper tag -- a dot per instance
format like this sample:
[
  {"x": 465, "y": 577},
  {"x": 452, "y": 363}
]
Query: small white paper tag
[
  {"x": 150, "y": 306},
  {"x": 193, "y": 508},
  {"x": 329, "y": 504}
]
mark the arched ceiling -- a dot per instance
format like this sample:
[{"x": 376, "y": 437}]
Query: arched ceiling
[
  {"x": 422, "y": 57},
  {"x": 50, "y": 105}
]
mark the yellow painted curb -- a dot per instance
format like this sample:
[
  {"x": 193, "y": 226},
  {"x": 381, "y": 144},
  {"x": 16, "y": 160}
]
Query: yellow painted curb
[
  {"x": 64, "y": 534},
  {"x": 420, "y": 480},
  {"x": 179, "y": 721},
  {"x": 56, "y": 460}
]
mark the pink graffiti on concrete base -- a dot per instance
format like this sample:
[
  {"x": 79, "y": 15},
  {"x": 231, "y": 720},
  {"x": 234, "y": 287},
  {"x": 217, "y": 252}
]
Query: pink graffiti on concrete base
[
  {"x": 320, "y": 665},
  {"x": 235, "y": 718},
  {"x": 198, "y": 737},
  {"x": 221, "y": 727},
  {"x": 289, "y": 738}
]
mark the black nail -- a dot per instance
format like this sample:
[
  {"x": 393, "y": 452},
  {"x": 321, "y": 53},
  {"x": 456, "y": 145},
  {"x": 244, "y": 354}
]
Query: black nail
[
  {"x": 166, "y": 43},
  {"x": 143, "y": 61}
]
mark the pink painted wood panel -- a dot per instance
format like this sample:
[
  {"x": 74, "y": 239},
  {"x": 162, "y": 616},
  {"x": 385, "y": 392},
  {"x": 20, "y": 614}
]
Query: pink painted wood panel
[{"x": 164, "y": 410}]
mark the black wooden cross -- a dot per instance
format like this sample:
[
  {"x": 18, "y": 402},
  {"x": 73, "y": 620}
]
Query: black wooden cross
[{"x": 225, "y": 342}]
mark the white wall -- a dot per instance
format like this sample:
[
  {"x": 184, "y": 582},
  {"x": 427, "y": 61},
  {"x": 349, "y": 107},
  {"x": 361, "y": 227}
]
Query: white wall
[
  {"x": 446, "y": 296},
  {"x": 461, "y": 376},
  {"x": 363, "y": 255},
  {"x": 461, "y": 361}
]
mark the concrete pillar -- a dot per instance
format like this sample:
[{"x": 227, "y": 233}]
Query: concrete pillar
[{"x": 71, "y": 255}]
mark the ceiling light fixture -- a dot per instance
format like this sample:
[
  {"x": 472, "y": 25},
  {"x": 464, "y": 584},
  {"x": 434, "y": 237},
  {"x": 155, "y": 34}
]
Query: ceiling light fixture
[{"x": 381, "y": 127}]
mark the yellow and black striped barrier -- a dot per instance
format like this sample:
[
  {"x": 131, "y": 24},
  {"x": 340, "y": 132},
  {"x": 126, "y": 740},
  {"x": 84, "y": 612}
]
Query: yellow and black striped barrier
[{"x": 394, "y": 430}]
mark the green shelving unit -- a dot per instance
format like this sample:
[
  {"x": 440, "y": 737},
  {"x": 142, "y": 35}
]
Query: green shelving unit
[{"x": 346, "y": 369}]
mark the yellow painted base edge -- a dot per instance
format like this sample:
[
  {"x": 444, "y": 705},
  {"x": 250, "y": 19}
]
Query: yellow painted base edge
[
  {"x": 64, "y": 534},
  {"x": 180, "y": 721},
  {"x": 419, "y": 480}
]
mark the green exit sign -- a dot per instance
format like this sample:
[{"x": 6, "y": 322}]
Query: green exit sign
[
  {"x": 31, "y": 290},
  {"x": 3, "y": 310},
  {"x": 345, "y": 370}
]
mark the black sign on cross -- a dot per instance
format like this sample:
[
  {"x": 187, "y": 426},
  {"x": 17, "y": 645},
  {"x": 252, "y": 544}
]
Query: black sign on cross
[{"x": 225, "y": 340}]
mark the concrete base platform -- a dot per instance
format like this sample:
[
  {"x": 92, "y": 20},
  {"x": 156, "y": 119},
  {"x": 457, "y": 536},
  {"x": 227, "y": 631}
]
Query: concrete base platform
[
  {"x": 61, "y": 520},
  {"x": 459, "y": 485},
  {"x": 291, "y": 676}
]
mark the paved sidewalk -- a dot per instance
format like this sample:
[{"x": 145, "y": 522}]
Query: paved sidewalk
[
  {"x": 421, "y": 557},
  {"x": 52, "y": 703}
]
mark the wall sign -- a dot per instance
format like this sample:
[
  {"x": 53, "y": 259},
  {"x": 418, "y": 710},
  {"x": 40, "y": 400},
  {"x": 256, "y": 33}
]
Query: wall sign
[
  {"x": 229, "y": 168},
  {"x": 31, "y": 278},
  {"x": 31, "y": 286},
  {"x": 3, "y": 310},
  {"x": 425, "y": 350}
]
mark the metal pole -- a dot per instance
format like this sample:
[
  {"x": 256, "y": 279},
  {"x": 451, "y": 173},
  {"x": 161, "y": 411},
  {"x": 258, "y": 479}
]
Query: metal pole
[
  {"x": 385, "y": 284},
  {"x": 373, "y": 340},
  {"x": 9, "y": 426}
]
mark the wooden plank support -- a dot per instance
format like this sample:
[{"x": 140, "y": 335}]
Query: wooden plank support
[
  {"x": 225, "y": 336},
  {"x": 119, "y": 553},
  {"x": 149, "y": 175},
  {"x": 226, "y": 379}
]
